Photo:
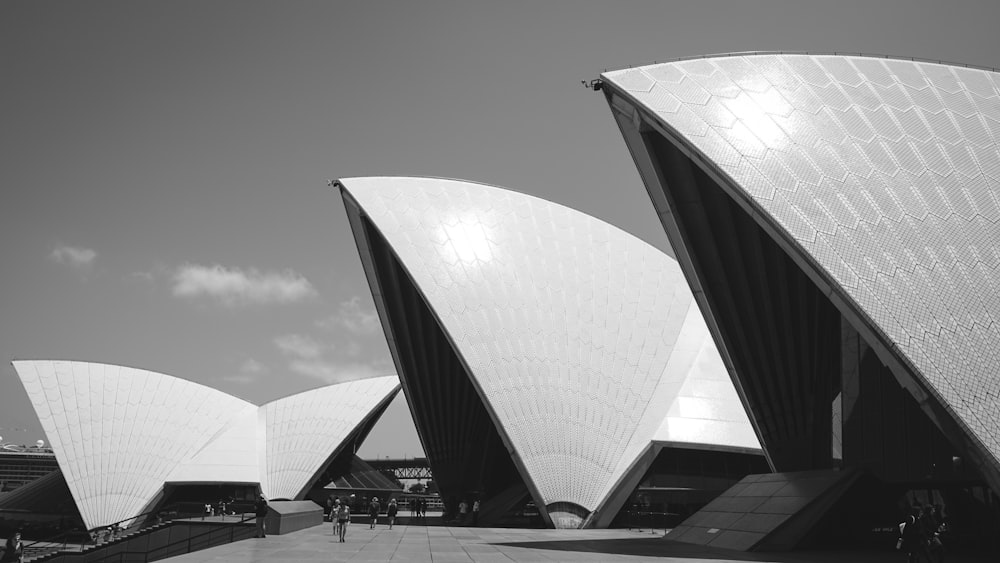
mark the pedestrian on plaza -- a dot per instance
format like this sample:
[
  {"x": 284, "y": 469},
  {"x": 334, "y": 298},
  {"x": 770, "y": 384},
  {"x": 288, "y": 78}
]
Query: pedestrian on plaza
[
  {"x": 334, "y": 503},
  {"x": 463, "y": 511},
  {"x": 14, "y": 549},
  {"x": 475, "y": 513},
  {"x": 931, "y": 527},
  {"x": 912, "y": 538},
  {"x": 343, "y": 518},
  {"x": 373, "y": 509},
  {"x": 260, "y": 509},
  {"x": 390, "y": 511}
]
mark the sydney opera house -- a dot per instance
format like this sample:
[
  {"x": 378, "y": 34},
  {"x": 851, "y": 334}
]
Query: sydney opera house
[
  {"x": 129, "y": 441},
  {"x": 838, "y": 218},
  {"x": 543, "y": 353},
  {"x": 834, "y": 304}
]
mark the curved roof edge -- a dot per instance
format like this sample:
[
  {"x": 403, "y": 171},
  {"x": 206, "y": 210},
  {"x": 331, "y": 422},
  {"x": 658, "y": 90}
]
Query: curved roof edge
[
  {"x": 339, "y": 183},
  {"x": 104, "y": 441},
  {"x": 908, "y": 182},
  {"x": 813, "y": 53},
  {"x": 409, "y": 213}
]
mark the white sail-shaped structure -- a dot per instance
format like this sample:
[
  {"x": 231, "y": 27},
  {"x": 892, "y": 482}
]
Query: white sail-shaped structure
[
  {"x": 121, "y": 433},
  {"x": 838, "y": 217},
  {"x": 581, "y": 342}
]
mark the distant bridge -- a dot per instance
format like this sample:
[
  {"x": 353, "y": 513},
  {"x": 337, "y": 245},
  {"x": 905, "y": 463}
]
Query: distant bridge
[{"x": 405, "y": 468}]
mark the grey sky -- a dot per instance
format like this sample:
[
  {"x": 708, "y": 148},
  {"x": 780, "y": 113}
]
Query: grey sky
[{"x": 162, "y": 164}]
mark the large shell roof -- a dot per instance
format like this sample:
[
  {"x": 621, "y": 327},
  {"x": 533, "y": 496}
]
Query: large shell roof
[
  {"x": 885, "y": 172},
  {"x": 584, "y": 341},
  {"x": 120, "y": 433}
]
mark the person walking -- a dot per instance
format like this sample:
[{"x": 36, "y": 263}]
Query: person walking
[
  {"x": 334, "y": 503},
  {"x": 463, "y": 511},
  {"x": 373, "y": 509},
  {"x": 912, "y": 538},
  {"x": 475, "y": 513},
  {"x": 931, "y": 528},
  {"x": 14, "y": 549},
  {"x": 390, "y": 512},
  {"x": 260, "y": 509},
  {"x": 343, "y": 518}
]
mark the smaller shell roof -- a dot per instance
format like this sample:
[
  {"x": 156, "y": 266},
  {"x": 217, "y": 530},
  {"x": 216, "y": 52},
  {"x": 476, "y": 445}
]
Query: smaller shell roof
[
  {"x": 567, "y": 325},
  {"x": 884, "y": 173},
  {"x": 120, "y": 433}
]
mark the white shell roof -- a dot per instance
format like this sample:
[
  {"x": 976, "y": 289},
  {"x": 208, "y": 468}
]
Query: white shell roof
[
  {"x": 303, "y": 430},
  {"x": 885, "y": 172},
  {"x": 120, "y": 433},
  {"x": 567, "y": 324}
]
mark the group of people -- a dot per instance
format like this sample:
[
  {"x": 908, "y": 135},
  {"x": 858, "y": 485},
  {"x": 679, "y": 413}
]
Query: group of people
[
  {"x": 920, "y": 535},
  {"x": 464, "y": 507},
  {"x": 418, "y": 507},
  {"x": 374, "y": 507},
  {"x": 340, "y": 514},
  {"x": 463, "y": 512}
]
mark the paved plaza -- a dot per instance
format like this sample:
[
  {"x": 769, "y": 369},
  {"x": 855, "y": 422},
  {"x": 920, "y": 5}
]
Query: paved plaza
[{"x": 418, "y": 544}]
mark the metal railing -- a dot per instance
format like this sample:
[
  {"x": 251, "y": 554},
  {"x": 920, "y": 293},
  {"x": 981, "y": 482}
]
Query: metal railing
[
  {"x": 642, "y": 520},
  {"x": 190, "y": 544},
  {"x": 80, "y": 540}
]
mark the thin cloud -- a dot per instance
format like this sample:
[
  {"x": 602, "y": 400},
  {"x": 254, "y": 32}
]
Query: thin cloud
[
  {"x": 353, "y": 317},
  {"x": 242, "y": 379},
  {"x": 233, "y": 286},
  {"x": 298, "y": 346},
  {"x": 249, "y": 372},
  {"x": 252, "y": 366},
  {"x": 74, "y": 256},
  {"x": 334, "y": 372}
]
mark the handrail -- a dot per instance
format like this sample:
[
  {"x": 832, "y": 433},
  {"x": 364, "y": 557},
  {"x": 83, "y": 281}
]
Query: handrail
[
  {"x": 146, "y": 554},
  {"x": 189, "y": 540},
  {"x": 816, "y": 53},
  {"x": 61, "y": 537},
  {"x": 58, "y": 538}
]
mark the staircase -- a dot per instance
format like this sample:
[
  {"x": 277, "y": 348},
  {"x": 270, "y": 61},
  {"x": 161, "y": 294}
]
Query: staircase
[{"x": 151, "y": 543}]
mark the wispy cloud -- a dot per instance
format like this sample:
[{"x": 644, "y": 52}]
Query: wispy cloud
[
  {"x": 298, "y": 346},
  {"x": 327, "y": 362},
  {"x": 241, "y": 378},
  {"x": 249, "y": 372},
  {"x": 252, "y": 366},
  {"x": 73, "y": 256},
  {"x": 333, "y": 371},
  {"x": 234, "y": 287},
  {"x": 353, "y": 317}
]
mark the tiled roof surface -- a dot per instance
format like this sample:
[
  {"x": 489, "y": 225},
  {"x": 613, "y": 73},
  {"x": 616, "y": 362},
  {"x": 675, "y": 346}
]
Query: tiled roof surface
[
  {"x": 566, "y": 323},
  {"x": 303, "y": 430},
  {"x": 885, "y": 172},
  {"x": 120, "y": 433}
]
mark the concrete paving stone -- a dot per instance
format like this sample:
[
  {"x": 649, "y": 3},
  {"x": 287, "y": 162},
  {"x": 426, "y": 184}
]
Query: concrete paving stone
[{"x": 422, "y": 545}]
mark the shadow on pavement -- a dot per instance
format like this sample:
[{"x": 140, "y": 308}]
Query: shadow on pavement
[{"x": 658, "y": 547}]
